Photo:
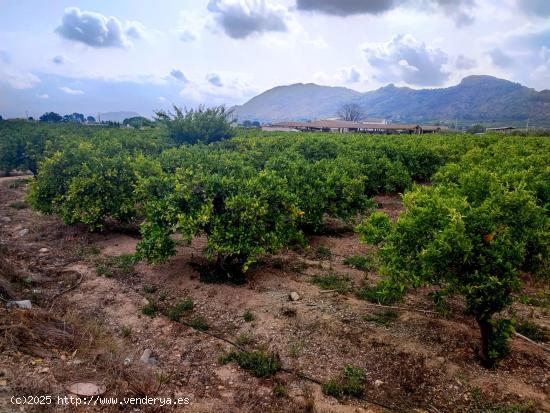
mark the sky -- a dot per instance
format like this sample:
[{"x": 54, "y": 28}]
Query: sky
[{"x": 142, "y": 56}]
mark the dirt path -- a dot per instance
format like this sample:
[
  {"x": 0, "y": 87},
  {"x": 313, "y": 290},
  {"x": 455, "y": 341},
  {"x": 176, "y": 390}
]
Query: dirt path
[{"x": 414, "y": 361}]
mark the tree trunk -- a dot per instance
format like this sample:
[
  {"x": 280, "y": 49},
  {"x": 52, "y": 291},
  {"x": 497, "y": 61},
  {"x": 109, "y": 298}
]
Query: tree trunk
[{"x": 487, "y": 335}]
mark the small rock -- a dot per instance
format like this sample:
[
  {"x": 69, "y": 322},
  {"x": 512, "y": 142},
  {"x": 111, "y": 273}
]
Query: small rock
[
  {"x": 127, "y": 361},
  {"x": 43, "y": 250},
  {"x": 86, "y": 389},
  {"x": 145, "y": 356},
  {"x": 294, "y": 296},
  {"x": 378, "y": 383},
  {"x": 26, "y": 304},
  {"x": 5, "y": 219},
  {"x": 23, "y": 232}
]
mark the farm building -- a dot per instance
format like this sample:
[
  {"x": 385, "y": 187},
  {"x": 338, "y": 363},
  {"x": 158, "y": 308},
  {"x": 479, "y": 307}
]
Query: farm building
[
  {"x": 502, "y": 129},
  {"x": 347, "y": 126}
]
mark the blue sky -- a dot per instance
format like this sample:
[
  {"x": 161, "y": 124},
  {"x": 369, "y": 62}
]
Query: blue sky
[{"x": 99, "y": 56}]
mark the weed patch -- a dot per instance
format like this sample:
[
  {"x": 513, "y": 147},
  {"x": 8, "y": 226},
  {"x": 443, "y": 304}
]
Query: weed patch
[
  {"x": 176, "y": 312},
  {"x": 119, "y": 266},
  {"x": 198, "y": 323},
  {"x": 259, "y": 363},
  {"x": 349, "y": 383},
  {"x": 339, "y": 283},
  {"x": 17, "y": 183},
  {"x": 248, "y": 316},
  {"x": 362, "y": 262},
  {"x": 149, "y": 309},
  {"x": 322, "y": 252},
  {"x": 533, "y": 331},
  {"x": 383, "y": 318},
  {"x": 19, "y": 205}
]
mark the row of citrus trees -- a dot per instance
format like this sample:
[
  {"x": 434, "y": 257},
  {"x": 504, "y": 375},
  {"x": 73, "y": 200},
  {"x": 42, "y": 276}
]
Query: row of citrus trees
[
  {"x": 248, "y": 195},
  {"x": 483, "y": 221}
]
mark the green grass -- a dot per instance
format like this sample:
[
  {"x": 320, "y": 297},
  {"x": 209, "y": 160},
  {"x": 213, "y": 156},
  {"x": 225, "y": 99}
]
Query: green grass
[
  {"x": 383, "y": 318},
  {"x": 176, "y": 312},
  {"x": 322, "y": 252},
  {"x": 533, "y": 331},
  {"x": 198, "y": 323},
  {"x": 19, "y": 205},
  {"x": 245, "y": 339},
  {"x": 279, "y": 390},
  {"x": 541, "y": 299},
  {"x": 362, "y": 262},
  {"x": 480, "y": 404},
  {"x": 118, "y": 266},
  {"x": 382, "y": 293},
  {"x": 349, "y": 383},
  {"x": 149, "y": 309},
  {"x": 248, "y": 316},
  {"x": 259, "y": 363},
  {"x": 126, "y": 331},
  {"x": 17, "y": 183},
  {"x": 340, "y": 283}
]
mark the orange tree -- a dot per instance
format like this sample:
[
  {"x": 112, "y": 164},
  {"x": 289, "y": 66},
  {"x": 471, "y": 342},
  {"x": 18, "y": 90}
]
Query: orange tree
[{"x": 472, "y": 237}]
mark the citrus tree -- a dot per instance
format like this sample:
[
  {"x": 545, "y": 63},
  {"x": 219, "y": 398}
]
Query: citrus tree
[{"x": 472, "y": 239}]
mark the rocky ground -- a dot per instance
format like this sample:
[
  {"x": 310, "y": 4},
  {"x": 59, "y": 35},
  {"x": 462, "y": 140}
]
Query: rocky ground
[{"x": 88, "y": 324}]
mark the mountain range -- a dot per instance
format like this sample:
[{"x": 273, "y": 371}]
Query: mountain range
[{"x": 479, "y": 98}]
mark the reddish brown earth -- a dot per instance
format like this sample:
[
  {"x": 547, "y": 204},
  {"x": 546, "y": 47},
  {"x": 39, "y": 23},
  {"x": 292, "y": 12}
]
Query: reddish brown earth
[{"x": 96, "y": 331}]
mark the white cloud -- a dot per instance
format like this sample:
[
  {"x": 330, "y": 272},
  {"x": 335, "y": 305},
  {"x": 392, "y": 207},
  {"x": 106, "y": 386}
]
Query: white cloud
[
  {"x": 97, "y": 30},
  {"x": 43, "y": 96},
  {"x": 465, "y": 63},
  {"x": 404, "y": 58},
  {"x": 20, "y": 80},
  {"x": 179, "y": 75},
  {"x": 242, "y": 18},
  {"x": 70, "y": 91},
  {"x": 214, "y": 79},
  {"x": 351, "y": 75}
]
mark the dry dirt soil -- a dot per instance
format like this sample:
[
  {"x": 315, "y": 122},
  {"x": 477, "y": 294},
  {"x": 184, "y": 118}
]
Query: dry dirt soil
[{"x": 87, "y": 324}]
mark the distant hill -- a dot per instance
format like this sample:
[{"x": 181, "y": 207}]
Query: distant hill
[
  {"x": 476, "y": 99},
  {"x": 117, "y": 116},
  {"x": 296, "y": 102}
]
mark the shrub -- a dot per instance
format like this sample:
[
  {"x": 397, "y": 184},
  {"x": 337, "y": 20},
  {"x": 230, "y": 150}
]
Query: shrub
[
  {"x": 375, "y": 228},
  {"x": 349, "y": 383},
  {"x": 201, "y": 125}
]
